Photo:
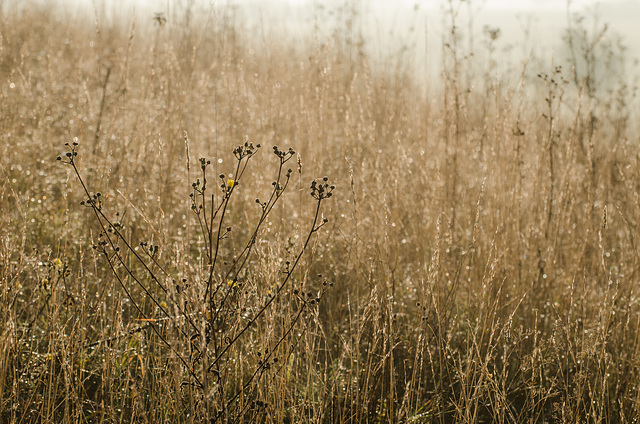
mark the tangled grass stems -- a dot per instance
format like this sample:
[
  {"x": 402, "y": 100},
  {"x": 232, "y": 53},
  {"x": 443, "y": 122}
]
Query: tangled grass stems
[{"x": 485, "y": 259}]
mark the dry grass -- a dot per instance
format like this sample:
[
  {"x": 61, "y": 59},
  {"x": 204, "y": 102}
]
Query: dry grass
[{"x": 479, "y": 263}]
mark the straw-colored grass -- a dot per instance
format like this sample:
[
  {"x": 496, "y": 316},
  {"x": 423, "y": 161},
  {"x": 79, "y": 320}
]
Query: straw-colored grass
[{"x": 478, "y": 262}]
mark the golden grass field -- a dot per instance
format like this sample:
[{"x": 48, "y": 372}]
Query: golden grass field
[{"x": 472, "y": 256}]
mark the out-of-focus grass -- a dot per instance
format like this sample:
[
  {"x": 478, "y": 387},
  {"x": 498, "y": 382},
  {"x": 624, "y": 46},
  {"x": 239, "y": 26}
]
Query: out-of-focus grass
[{"x": 481, "y": 243}]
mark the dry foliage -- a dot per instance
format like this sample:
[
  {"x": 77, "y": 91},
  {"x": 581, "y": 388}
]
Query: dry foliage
[{"x": 477, "y": 261}]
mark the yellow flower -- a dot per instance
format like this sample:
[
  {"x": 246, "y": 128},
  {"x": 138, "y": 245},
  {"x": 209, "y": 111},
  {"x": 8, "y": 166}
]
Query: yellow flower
[
  {"x": 57, "y": 263},
  {"x": 231, "y": 183}
]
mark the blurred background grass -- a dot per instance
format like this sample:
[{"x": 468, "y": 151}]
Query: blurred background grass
[{"x": 481, "y": 239}]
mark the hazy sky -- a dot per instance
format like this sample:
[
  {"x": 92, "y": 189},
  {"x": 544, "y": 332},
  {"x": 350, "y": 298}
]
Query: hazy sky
[
  {"x": 547, "y": 18},
  {"x": 623, "y": 16},
  {"x": 387, "y": 24}
]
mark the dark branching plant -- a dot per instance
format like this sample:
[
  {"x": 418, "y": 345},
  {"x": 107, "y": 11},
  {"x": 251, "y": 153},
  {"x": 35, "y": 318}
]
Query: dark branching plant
[{"x": 208, "y": 331}]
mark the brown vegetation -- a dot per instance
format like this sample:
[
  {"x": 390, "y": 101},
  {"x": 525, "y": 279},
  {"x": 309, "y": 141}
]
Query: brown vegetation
[{"x": 478, "y": 262}]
